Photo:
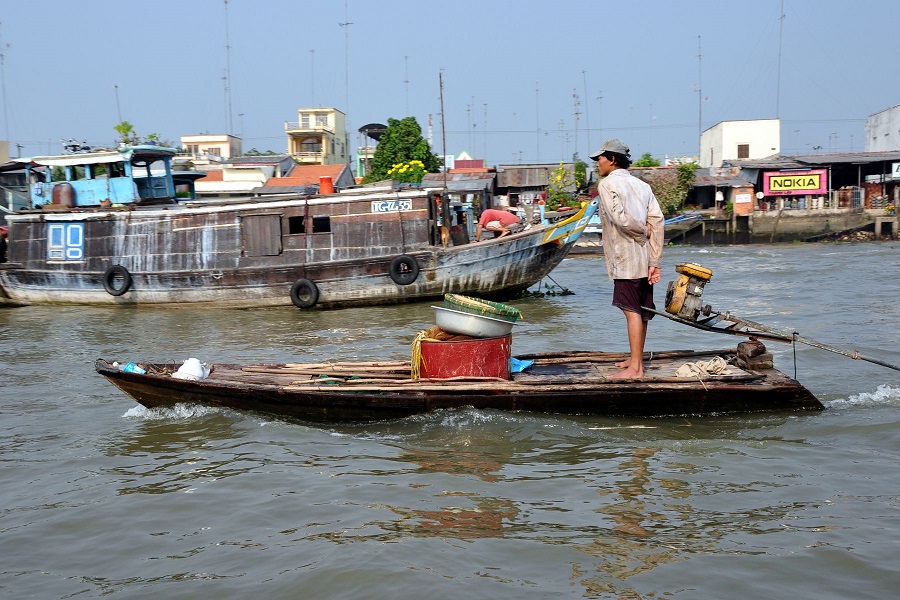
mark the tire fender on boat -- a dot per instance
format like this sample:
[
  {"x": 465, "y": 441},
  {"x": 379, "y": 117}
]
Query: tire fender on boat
[
  {"x": 304, "y": 293},
  {"x": 404, "y": 270},
  {"x": 116, "y": 280}
]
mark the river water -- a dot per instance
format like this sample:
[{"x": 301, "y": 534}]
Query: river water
[{"x": 100, "y": 497}]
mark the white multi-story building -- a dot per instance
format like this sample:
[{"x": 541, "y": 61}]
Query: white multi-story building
[
  {"x": 730, "y": 140},
  {"x": 883, "y": 130},
  {"x": 206, "y": 148}
]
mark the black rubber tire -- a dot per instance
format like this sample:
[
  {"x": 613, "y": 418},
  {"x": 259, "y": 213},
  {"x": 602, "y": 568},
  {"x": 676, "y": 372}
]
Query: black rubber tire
[
  {"x": 404, "y": 270},
  {"x": 304, "y": 293},
  {"x": 116, "y": 280}
]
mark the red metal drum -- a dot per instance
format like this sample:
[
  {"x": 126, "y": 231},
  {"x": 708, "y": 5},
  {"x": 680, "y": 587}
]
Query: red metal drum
[{"x": 484, "y": 357}]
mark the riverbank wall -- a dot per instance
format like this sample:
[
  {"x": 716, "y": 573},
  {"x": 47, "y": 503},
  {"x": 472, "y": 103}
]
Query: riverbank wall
[{"x": 784, "y": 226}]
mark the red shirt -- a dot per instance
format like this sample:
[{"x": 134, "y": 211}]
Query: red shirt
[{"x": 506, "y": 218}]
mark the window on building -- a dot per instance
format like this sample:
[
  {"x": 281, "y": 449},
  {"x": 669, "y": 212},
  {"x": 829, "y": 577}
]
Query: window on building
[
  {"x": 321, "y": 119},
  {"x": 304, "y": 120},
  {"x": 296, "y": 225},
  {"x": 214, "y": 151},
  {"x": 743, "y": 151},
  {"x": 311, "y": 145},
  {"x": 321, "y": 224}
]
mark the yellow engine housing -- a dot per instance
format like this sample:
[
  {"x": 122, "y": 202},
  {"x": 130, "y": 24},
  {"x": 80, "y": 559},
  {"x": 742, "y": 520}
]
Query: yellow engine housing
[
  {"x": 683, "y": 294},
  {"x": 697, "y": 271}
]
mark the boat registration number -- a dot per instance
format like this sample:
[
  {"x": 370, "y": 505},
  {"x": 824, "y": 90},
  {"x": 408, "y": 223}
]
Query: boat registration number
[{"x": 382, "y": 206}]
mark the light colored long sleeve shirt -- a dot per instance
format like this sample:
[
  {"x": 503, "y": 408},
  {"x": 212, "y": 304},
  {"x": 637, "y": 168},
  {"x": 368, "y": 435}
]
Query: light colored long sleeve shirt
[{"x": 633, "y": 225}]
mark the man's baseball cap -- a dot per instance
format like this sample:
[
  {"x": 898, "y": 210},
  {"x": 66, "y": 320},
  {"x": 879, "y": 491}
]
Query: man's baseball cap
[{"x": 614, "y": 145}]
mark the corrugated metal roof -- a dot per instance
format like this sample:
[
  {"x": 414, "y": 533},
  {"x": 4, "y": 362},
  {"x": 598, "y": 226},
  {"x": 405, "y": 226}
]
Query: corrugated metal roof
[
  {"x": 527, "y": 176},
  {"x": 460, "y": 182},
  {"x": 805, "y": 161},
  {"x": 304, "y": 175}
]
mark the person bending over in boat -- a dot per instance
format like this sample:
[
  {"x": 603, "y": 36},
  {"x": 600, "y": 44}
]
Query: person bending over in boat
[
  {"x": 498, "y": 221},
  {"x": 632, "y": 244},
  {"x": 4, "y": 232}
]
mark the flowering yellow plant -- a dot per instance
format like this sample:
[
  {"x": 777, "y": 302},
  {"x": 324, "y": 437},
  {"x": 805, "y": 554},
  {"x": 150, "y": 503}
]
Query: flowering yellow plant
[
  {"x": 560, "y": 185},
  {"x": 890, "y": 209},
  {"x": 410, "y": 172}
]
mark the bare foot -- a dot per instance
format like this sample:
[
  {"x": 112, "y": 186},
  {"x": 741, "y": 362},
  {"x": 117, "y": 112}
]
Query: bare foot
[
  {"x": 504, "y": 233},
  {"x": 628, "y": 374},
  {"x": 624, "y": 364}
]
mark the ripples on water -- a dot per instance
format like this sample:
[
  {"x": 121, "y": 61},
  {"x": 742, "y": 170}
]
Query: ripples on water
[{"x": 102, "y": 497}]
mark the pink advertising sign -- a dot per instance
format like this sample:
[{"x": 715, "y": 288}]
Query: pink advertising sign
[{"x": 795, "y": 183}]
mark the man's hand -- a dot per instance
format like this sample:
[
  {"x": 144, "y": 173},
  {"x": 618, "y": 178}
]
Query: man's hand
[{"x": 654, "y": 275}]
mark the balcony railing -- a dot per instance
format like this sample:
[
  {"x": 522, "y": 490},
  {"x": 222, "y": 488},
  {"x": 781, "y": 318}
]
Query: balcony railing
[{"x": 295, "y": 126}]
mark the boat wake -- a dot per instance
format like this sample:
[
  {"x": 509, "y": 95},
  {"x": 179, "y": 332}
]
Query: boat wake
[
  {"x": 179, "y": 411},
  {"x": 883, "y": 396}
]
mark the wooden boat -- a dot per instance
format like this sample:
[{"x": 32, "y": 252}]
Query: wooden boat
[
  {"x": 110, "y": 231},
  {"x": 565, "y": 382}
]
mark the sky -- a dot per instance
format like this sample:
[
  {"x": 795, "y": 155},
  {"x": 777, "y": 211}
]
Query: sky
[{"x": 522, "y": 81}]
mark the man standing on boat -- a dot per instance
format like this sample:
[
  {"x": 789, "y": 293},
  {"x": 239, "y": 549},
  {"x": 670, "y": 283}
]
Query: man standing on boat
[
  {"x": 498, "y": 221},
  {"x": 632, "y": 245}
]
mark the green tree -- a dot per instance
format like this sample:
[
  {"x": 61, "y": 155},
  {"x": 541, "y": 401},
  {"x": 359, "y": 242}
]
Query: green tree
[
  {"x": 401, "y": 142},
  {"x": 581, "y": 175},
  {"x": 127, "y": 134},
  {"x": 646, "y": 160},
  {"x": 671, "y": 186}
]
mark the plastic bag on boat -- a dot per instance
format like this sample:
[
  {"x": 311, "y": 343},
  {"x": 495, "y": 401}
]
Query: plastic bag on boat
[
  {"x": 192, "y": 370},
  {"x": 517, "y": 366}
]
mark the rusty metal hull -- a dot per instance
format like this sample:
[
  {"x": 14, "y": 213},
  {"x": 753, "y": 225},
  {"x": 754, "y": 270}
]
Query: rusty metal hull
[{"x": 251, "y": 253}]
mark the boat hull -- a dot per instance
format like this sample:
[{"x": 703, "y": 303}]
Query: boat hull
[{"x": 566, "y": 383}]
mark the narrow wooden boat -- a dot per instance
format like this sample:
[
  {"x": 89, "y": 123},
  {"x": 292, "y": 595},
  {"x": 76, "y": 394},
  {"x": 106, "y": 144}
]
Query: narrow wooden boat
[{"x": 565, "y": 383}]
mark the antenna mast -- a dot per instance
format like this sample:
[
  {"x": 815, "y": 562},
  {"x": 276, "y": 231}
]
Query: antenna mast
[
  {"x": 346, "y": 25},
  {"x": 443, "y": 132},
  {"x": 577, "y": 102},
  {"x": 406, "y": 81},
  {"x": 778, "y": 83},
  {"x": 699, "y": 91},
  {"x": 3, "y": 84},
  {"x": 587, "y": 113},
  {"x": 228, "y": 73}
]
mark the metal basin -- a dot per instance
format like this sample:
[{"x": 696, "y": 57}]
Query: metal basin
[{"x": 463, "y": 323}]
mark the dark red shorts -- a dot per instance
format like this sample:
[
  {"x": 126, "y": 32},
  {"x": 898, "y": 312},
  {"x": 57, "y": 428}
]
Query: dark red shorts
[{"x": 632, "y": 294}]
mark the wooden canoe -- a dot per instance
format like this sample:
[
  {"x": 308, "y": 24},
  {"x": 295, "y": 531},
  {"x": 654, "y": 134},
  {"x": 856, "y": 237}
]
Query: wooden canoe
[{"x": 564, "y": 383}]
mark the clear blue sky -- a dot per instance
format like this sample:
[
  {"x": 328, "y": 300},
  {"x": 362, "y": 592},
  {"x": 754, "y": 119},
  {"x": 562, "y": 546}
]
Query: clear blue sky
[{"x": 511, "y": 70}]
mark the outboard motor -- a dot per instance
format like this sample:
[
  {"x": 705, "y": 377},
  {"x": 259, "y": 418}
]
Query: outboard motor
[{"x": 683, "y": 294}]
